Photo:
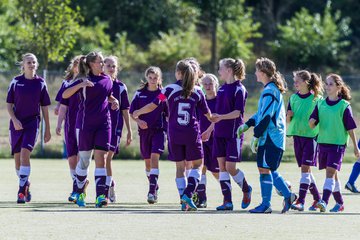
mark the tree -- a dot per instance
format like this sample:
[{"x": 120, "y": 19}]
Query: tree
[
  {"x": 50, "y": 27},
  {"x": 308, "y": 40}
]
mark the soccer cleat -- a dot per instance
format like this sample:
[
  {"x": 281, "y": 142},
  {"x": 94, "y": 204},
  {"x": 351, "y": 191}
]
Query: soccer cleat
[
  {"x": 321, "y": 205},
  {"x": 184, "y": 207},
  {"x": 351, "y": 187},
  {"x": 201, "y": 204},
  {"x": 151, "y": 199},
  {"x": 80, "y": 201},
  {"x": 297, "y": 206},
  {"x": 101, "y": 201},
  {"x": 112, "y": 194},
  {"x": 337, "y": 208},
  {"x": 313, "y": 207},
  {"x": 288, "y": 202},
  {"x": 195, "y": 198},
  {"x": 27, "y": 192},
  {"x": 228, "y": 206},
  {"x": 73, "y": 197},
  {"x": 21, "y": 198},
  {"x": 261, "y": 209},
  {"x": 189, "y": 202},
  {"x": 246, "y": 198}
]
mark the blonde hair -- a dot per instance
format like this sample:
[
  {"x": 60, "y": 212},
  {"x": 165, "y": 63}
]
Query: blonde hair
[
  {"x": 84, "y": 64},
  {"x": 268, "y": 67},
  {"x": 74, "y": 63},
  {"x": 117, "y": 69},
  {"x": 188, "y": 72},
  {"x": 152, "y": 70},
  {"x": 213, "y": 79},
  {"x": 344, "y": 88},
  {"x": 21, "y": 63},
  {"x": 313, "y": 81},
  {"x": 236, "y": 65}
]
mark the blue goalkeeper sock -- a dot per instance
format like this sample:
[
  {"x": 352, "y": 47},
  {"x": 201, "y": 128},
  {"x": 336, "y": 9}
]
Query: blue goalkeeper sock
[
  {"x": 280, "y": 184},
  {"x": 354, "y": 173},
  {"x": 266, "y": 184}
]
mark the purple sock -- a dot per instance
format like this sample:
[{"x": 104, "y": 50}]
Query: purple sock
[
  {"x": 153, "y": 186},
  {"x": 23, "y": 183},
  {"x": 226, "y": 190},
  {"x": 201, "y": 190},
  {"x": 80, "y": 183},
  {"x": 338, "y": 197},
  {"x": 100, "y": 185},
  {"x": 302, "y": 192},
  {"x": 74, "y": 187},
  {"x": 245, "y": 187},
  {"x": 191, "y": 186},
  {"x": 326, "y": 195},
  {"x": 314, "y": 191}
]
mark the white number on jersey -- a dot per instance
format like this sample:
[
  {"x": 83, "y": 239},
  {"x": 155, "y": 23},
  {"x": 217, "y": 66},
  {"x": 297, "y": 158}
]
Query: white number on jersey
[{"x": 184, "y": 116}]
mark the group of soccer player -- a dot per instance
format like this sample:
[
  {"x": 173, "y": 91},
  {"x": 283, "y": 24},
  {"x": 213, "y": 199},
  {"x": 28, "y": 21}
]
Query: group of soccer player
[{"x": 203, "y": 123}]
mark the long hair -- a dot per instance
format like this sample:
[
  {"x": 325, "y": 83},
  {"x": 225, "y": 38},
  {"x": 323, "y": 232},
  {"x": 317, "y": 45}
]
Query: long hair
[
  {"x": 84, "y": 64},
  {"x": 74, "y": 63},
  {"x": 236, "y": 65},
  {"x": 188, "y": 72},
  {"x": 22, "y": 62},
  {"x": 195, "y": 63},
  {"x": 152, "y": 70},
  {"x": 344, "y": 92},
  {"x": 117, "y": 68},
  {"x": 268, "y": 67},
  {"x": 313, "y": 81}
]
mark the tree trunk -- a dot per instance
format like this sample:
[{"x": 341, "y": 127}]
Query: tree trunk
[{"x": 213, "y": 45}]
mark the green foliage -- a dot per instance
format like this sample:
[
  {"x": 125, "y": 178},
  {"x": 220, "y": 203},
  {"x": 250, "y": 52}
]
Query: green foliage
[
  {"x": 175, "y": 45},
  {"x": 312, "y": 39},
  {"x": 235, "y": 35},
  {"x": 130, "y": 56},
  {"x": 49, "y": 28}
]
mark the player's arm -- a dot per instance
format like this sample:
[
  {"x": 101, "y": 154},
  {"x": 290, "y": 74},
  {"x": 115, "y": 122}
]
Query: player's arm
[
  {"x": 144, "y": 110},
  {"x": 61, "y": 117},
  {"x": 126, "y": 117},
  {"x": 314, "y": 118},
  {"x": 16, "y": 122},
  {"x": 354, "y": 141},
  {"x": 45, "y": 112},
  {"x": 72, "y": 90}
]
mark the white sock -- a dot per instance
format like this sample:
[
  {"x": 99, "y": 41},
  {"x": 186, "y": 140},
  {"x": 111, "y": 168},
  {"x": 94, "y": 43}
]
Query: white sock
[
  {"x": 329, "y": 184},
  {"x": 239, "y": 178},
  {"x": 305, "y": 178},
  {"x": 337, "y": 187},
  {"x": 72, "y": 174},
  {"x": 181, "y": 185},
  {"x": 24, "y": 171},
  {"x": 154, "y": 171},
  {"x": 203, "y": 179},
  {"x": 108, "y": 180}
]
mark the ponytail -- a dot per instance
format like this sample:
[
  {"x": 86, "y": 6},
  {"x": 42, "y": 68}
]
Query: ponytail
[
  {"x": 279, "y": 81},
  {"x": 236, "y": 65},
  {"x": 188, "y": 73},
  {"x": 313, "y": 81}
]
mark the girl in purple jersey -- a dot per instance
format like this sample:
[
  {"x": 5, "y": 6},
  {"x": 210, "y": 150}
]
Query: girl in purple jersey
[
  {"x": 93, "y": 123},
  {"x": 118, "y": 117},
  {"x": 230, "y": 108},
  {"x": 151, "y": 128},
  {"x": 301, "y": 104},
  {"x": 334, "y": 117},
  {"x": 184, "y": 100},
  {"x": 210, "y": 84},
  {"x": 27, "y": 93},
  {"x": 67, "y": 112}
]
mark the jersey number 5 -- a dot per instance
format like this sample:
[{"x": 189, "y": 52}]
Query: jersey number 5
[{"x": 183, "y": 114}]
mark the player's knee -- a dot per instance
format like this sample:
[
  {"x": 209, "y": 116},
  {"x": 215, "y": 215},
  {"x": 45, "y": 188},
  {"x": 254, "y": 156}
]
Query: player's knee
[{"x": 84, "y": 159}]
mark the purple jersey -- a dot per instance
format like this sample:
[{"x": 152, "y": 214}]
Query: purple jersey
[
  {"x": 230, "y": 97},
  {"x": 204, "y": 122},
  {"x": 348, "y": 119},
  {"x": 183, "y": 124},
  {"x": 27, "y": 95},
  {"x": 120, "y": 93},
  {"x": 93, "y": 109},
  {"x": 61, "y": 90},
  {"x": 73, "y": 106},
  {"x": 154, "y": 119}
]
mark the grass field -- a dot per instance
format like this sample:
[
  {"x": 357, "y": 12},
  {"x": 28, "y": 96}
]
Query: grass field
[{"x": 49, "y": 216}]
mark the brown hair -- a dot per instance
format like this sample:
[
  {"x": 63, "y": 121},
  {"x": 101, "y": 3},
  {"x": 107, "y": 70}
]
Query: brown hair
[
  {"x": 344, "y": 88},
  {"x": 117, "y": 69},
  {"x": 268, "y": 67},
  {"x": 84, "y": 64},
  {"x": 213, "y": 78},
  {"x": 236, "y": 65},
  {"x": 74, "y": 63},
  {"x": 313, "y": 81},
  {"x": 195, "y": 63},
  {"x": 21, "y": 63},
  {"x": 152, "y": 70},
  {"x": 188, "y": 72}
]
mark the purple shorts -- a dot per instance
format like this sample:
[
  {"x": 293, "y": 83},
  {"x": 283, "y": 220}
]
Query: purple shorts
[
  {"x": 210, "y": 160},
  {"x": 71, "y": 142},
  {"x": 93, "y": 139},
  {"x": 305, "y": 151},
  {"x": 114, "y": 143},
  {"x": 227, "y": 147},
  {"x": 25, "y": 138},
  {"x": 331, "y": 156},
  {"x": 151, "y": 141},
  {"x": 193, "y": 150}
]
